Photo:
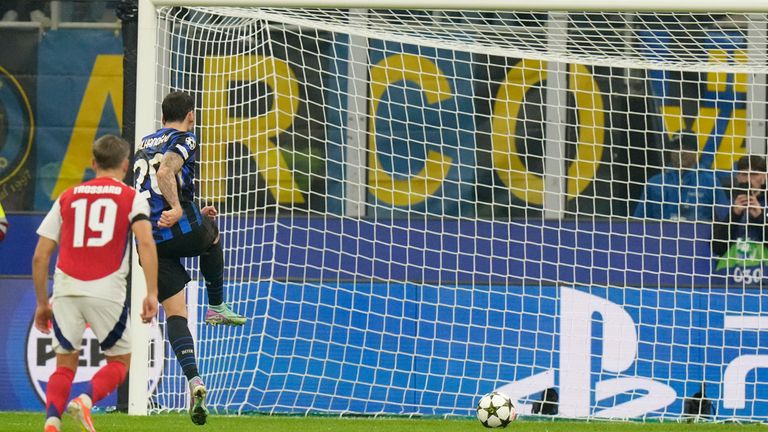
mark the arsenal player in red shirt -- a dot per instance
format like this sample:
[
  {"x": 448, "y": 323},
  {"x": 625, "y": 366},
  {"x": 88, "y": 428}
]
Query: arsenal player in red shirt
[{"x": 91, "y": 224}]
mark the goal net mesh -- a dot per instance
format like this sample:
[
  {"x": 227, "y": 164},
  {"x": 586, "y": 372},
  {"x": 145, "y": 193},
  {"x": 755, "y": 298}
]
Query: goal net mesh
[{"x": 420, "y": 207}]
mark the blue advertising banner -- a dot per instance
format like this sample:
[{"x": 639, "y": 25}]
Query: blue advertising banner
[
  {"x": 432, "y": 349},
  {"x": 406, "y": 349},
  {"x": 506, "y": 306},
  {"x": 18, "y": 306},
  {"x": 28, "y": 356},
  {"x": 19, "y": 245},
  {"x": 618, "y": 252}
]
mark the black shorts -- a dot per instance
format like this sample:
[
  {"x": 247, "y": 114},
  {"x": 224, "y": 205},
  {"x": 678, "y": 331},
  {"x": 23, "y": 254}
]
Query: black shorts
[{"x": 171, "y": 274}]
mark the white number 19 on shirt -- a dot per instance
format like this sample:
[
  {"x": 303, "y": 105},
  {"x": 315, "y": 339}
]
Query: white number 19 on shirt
[{"x": 100, "y": 217}]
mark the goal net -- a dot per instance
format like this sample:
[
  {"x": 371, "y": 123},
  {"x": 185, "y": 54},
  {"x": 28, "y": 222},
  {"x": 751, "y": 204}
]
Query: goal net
[{"x": 421, "y": 207}]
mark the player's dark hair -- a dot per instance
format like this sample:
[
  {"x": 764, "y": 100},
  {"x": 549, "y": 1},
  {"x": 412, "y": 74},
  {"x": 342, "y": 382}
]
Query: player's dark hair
[
  {"x": 110, "y": 151},
  {"x": 751, "y": 163},
  {"x": 176, "y": 106}
]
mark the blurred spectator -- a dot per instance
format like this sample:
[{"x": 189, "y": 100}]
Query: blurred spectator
[
  {"x": 746, "y": 220},
  {"x": 86, "y": 10},
  {"x": 683, "y": 191},
  {"x": 22, "y": 10},
  {"x": 70, "y": 11},
  {"x": 3, "y": 223}
]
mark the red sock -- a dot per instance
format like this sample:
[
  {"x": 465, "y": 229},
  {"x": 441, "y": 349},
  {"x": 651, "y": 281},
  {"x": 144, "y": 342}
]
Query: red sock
[
  {"x": 57, "y": 392},
  {"x": 106, "y": 379}
]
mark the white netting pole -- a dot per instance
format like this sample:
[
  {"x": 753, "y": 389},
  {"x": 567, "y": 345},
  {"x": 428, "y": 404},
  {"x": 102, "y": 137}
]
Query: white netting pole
[
  {"x": 357, "y": 119},
  {"x": 138, "y": 395},
  {"x": 554, "y": 134},
  {"x": 756, "y": 97},
  {"x": 711, "y": 6}
]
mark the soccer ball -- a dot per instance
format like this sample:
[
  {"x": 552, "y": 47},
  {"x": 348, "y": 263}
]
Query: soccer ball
[{"x": 495, "y": 410}]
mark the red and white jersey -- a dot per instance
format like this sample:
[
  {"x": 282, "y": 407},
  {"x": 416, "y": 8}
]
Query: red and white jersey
[{"x": 91, "y": 223}]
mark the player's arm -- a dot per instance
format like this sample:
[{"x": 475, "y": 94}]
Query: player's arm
[
  {"x": 49, "y": 232},
  {"x": 166, "y": 180},
  {"x": 40, "y": 262},
  {"x": 142, "y": 229}
]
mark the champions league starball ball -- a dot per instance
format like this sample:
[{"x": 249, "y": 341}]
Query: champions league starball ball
[{"x": 495, "y": 410}]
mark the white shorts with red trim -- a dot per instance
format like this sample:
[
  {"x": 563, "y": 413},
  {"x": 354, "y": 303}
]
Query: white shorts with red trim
[{"x": 108, "y": 320}]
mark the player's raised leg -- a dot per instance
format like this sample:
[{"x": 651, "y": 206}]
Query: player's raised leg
[{"x": 212, "y": 268}]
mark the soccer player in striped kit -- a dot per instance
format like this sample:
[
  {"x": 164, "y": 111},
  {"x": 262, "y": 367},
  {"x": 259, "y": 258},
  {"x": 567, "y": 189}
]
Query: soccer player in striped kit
[{"x": 164, "y": 172}]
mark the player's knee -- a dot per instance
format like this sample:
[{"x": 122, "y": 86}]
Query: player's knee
[
  {"x": 68, "y": 360},
  {"x": 215, "y": 251},
  {"x": 177, "y": 311},
  {"x": 175, "y": 305},
  {"x": 212, "y": 262},
  {"x": 124, "y": 359}
]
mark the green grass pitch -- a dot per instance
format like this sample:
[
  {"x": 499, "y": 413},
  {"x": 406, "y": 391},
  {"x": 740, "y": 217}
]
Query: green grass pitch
[{"x": 26, "y": 421}]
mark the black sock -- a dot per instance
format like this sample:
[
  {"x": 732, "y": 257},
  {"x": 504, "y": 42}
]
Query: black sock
[
  {"x": 212, "y": 268},
  {"x": 182, "y": 344}
]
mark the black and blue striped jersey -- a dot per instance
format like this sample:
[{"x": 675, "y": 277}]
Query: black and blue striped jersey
[{"x": 147, "y": 161}]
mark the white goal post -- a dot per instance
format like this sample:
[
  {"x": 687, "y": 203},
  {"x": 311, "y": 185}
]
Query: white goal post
[
  {"x": 513, "y": 5},
  {"x": 425, "y": 201}
]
